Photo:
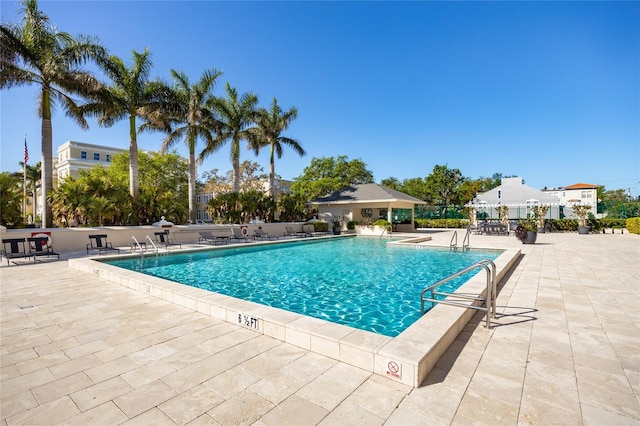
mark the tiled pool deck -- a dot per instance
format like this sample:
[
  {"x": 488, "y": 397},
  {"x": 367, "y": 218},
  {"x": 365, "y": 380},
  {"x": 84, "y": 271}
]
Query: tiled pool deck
[{"x": 565, "y": 349}]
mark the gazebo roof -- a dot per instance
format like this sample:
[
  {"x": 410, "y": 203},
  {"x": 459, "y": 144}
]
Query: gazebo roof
[{"x": 366, "y": 193}]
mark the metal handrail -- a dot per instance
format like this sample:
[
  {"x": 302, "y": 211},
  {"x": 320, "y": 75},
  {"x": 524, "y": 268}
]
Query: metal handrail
[
  {"x": 152, "y": 243},
  {"x": 467, "y": 239},
  {"x": 134, "y": 244},
  {"x": 489, "y": 300},
  {"x": 453, "y": 244}
]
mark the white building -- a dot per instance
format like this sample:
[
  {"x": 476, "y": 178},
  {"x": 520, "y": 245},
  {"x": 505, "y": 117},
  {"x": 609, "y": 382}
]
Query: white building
[
  {"x": 519, "y": 197},
  {"x": 579, "y": 193}
]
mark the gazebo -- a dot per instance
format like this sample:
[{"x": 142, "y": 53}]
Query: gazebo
[{"x": 371, "y": 201}]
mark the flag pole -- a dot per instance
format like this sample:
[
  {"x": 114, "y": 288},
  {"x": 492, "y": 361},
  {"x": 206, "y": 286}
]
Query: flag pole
[{"x": 24, "y": 180}]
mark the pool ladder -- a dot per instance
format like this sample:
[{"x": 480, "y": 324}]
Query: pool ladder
[
  {"x": 453, "y": 244},
  {"x": 486, "y": 304},
  {"x": 135, "y": 245}
]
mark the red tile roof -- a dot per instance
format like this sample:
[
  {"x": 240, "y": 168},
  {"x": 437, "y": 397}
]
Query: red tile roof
[{"x": 582, "y": 186}]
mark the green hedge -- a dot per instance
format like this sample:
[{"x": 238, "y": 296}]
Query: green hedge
[
  {"x": 441, "y": 223},
  {"x": 633, "y": 225},
  {"x": 320, "y": 226}
]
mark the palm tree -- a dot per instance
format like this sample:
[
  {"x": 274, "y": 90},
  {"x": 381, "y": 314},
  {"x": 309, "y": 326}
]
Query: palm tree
[
  {"x": 234, "y": 115},
  {"x": 37, "y": 53},
  {"x": 268, "y": 132},
  {"x": 194, "y": 120},
  {"x": 131, "y": 95},
  {"x": 33, "y": 176}
]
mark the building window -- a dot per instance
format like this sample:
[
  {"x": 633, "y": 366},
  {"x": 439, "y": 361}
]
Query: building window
[
  {"x": 108, "y": 158},
  {"x": 96, "y": 156},
  {"x": 83, "y": 155}
]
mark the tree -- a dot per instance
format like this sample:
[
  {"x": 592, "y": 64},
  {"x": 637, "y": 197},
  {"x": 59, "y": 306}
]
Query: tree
[
  {"x": 36, "y": 53},
  {"x": 268, "y": 132},
  {"x": 327, "y": 174},
  {"x": 443, "y": 185},
  {"x": 194, "y": 121},
  {"x": 234, "y": 117},
  {"x": 131, "y": 94},
  {"x": 392, "y": 183},
  {"x": 33, "y": 176},
  {"x": 99, "y": 195},
  {"x": 10, "y": 200}
]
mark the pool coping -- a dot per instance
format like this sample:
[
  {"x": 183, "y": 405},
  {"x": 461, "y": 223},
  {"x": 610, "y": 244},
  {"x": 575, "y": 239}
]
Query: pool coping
[{"x": 407, "y": 358}]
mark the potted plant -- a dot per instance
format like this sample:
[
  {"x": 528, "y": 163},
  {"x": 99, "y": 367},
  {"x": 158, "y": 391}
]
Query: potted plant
[
  {"x": 539, "y": 213},
  {"x": 337, "y": 225},
  {"x": 582, "y": 211},
  {"x": 527, "y": 231}
]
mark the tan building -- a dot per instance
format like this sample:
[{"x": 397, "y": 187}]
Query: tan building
[{"x": 75, "y": 156}]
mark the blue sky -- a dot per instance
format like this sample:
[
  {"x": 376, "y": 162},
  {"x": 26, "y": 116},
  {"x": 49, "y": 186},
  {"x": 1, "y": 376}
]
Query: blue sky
[{"x": 549, "y": 91}]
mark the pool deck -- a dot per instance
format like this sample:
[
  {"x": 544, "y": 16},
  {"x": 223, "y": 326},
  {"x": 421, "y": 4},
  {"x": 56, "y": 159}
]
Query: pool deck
[{"x": 565, "y": 349}]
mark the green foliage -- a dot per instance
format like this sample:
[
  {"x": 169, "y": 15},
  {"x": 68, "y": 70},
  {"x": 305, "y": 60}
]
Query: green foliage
[
  {"x": 328, "y": 174},
  {"x": 383, "y": 223},
  {"x": 443, "y": 185},
  {"x": 528, "y": 224},
  {"x": 320, "y": 226},
  {"x": 441, "y": 223},
  {"x": 292, "y": 207},
  {"x": 351, "y": 225},
  {"x": 10, "y": 200},
  {"x": 609, "y": 222},
  {"x": 633, "y": 225},
  {"x": 100, "y": 196}
]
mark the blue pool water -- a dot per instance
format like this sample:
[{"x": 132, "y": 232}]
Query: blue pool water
[{"x": 360, "y": 282}]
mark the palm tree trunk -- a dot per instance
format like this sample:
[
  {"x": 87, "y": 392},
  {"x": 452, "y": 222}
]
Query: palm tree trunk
[
  {"x": 133, "y": 159},
  {"x": 236, "y": 166},
  {"x": 272, "y": 173},
  {"x": 47, "y": 161},
  {"x": 192, "y": 184}
]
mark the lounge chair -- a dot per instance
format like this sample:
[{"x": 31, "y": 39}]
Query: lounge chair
[
  {"x": 310, "y": 230},
  {"x": 208, "y": 237},
  {"x": 163, "y": 239},
  {"x": 290, "y": 232},
  {"x": 13, "y": 248},
  {"x": 100, "y": 244},
  {"x": 261, "y": 235},
  {"x": 39, "y": 247},
  {"x": 238, "y": 235}
]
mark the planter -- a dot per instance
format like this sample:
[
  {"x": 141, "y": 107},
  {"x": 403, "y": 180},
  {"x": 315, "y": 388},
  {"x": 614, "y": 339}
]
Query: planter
[
  {"x": 530, "y": 238},
  {"x": 337, "y": 231},
  {"x": 583, "y": 230}
]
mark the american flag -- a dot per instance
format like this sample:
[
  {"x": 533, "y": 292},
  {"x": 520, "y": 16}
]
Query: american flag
[{"x": 26, "y": 151}]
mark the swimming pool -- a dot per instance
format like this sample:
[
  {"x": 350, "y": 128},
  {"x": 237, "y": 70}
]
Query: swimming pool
[{"x": 360, "y": 282}]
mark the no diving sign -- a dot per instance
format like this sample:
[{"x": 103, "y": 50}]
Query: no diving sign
[{"x": 394, "y": 369}]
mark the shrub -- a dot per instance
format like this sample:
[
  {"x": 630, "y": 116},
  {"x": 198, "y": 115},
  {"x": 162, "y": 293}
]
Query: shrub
[
  {"x": 320, "y": 226},
  {"x": 351, "y": 225},
  {"x": 633, "y": 225},
  {"x": 442, "y": 223},
  {"x": 382, "y": 223}
]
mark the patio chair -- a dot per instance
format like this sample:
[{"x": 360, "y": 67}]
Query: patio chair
[
  {"x": 261, "y": 235},
  {"x": 39, "y": 247},
  {"x": 162, "y": 238},
  {"x": 290, "y": 232},
  {"x": 99, "y": 243},
  {"x": 208, "y": 237},
  {"x": 238, "y": 235},
  {"x": 13, "y": 248}
]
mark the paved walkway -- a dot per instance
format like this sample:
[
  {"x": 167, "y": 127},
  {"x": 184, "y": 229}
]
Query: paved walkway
[{"x": 566, "y": 350}]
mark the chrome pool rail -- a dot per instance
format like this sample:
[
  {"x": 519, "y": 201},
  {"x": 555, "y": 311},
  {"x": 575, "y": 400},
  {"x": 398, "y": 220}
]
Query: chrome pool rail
[{"x": 487, "y": 303}]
